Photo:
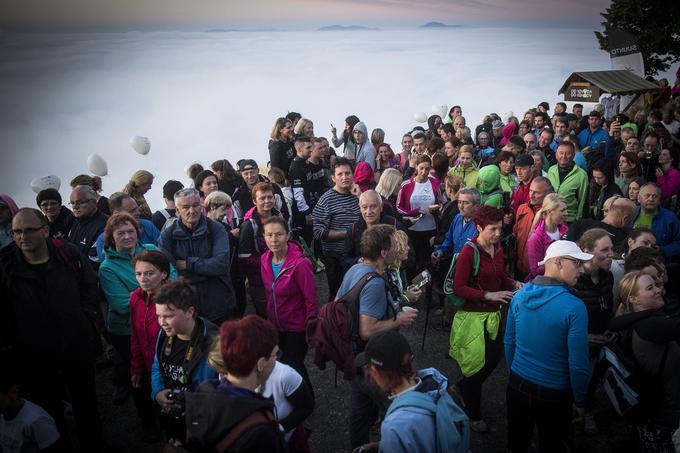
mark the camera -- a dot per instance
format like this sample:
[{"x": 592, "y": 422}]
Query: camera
[{"x": 178, "y": 403}]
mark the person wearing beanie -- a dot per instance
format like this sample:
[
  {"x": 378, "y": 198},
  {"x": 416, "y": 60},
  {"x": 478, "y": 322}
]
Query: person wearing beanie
[{"x": 59, "y": 216}]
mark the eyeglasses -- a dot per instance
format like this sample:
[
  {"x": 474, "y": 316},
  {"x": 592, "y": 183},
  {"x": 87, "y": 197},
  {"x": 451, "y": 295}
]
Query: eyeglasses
[
  {"x": 78, "y": 203},
  {"x": 25, "y": 231},
  {"x": 578, "y": 263}
]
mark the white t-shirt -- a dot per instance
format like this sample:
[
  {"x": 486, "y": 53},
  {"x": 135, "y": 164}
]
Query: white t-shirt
[
  {"x": 554, "y": 235},
  {"x": 30, "y": 431},
  {"x": 422, "y": 198},
  {"x": 673, "y": 127},
  {"x": 283, "y": 381}
]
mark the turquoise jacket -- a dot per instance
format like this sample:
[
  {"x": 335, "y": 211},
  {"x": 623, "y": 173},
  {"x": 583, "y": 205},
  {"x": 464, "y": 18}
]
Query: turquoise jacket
[{"x": 117, "y": 279}]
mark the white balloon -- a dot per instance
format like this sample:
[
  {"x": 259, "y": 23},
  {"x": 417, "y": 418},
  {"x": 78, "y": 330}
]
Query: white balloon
[
  {"x": 140, "y": 144},
  {"x": 46, "y": 182},
  {"x": 97, "y": 165},
  {"x": 441, "y": 110},
  {"x": 420, "y": 117}
]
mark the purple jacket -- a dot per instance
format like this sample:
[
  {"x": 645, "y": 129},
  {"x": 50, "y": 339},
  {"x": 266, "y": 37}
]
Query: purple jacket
[
  {"x": 537, "y": 245},
  {"x": 291, "y": 297},
  {"x": 669, "y": 183}
]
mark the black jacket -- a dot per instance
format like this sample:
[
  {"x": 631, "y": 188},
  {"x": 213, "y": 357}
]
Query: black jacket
[
  {"x": 84, "y": 234},
  {"x": 243, "y": 200},
  {"x": 281, "y": 154},
  {"x": 352, "y": 249},
  {"x": 655, "y": 349},
  {"x": 598, "y": 299},
  {"x": 47, "y": 311},
  {"x": 211, "y": 414},
  {"x": 61, "y": 226}
]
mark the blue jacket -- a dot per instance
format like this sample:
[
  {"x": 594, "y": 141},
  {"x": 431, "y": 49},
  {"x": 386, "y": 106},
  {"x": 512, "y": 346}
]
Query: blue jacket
[
  {"x": 206, "y": 252},
  {"x": 148, "y": 235},
  {"x": 666, "y": 228},
  {"x": 457, "y": 236},
  {"x": 117, "y": 280},
  {"x": 546, "y": 337},
  {"x": 592, "y": 139},
  {"x": 197, "y": 367},
  {"x": 410, "y": 427}
]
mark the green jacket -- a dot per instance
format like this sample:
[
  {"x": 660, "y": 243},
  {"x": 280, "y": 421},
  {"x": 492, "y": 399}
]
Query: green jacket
[
  {"x": 490, "y": 186},
  {"x": 574, "y": 189},
  {"x": 469, "y": 175},
  {"x": 508, "y": 183},
  {"x": 466, "y": 344},
  {"x": 117, "y": 280}
]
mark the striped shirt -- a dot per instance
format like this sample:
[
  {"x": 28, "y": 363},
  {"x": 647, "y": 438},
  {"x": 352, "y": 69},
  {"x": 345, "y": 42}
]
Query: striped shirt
[{"x": 334, "y": 211}]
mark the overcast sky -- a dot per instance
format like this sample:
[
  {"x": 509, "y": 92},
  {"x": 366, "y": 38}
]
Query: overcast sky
[{"x": 292, "y": 14}]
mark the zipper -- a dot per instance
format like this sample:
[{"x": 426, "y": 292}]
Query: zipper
[{"x": 276, "y": 310}]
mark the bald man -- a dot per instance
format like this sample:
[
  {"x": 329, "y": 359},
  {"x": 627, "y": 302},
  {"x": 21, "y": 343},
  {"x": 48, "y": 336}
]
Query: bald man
[
  {"x": 616, "y": 222},
  {"x": 49, "y": 294}
]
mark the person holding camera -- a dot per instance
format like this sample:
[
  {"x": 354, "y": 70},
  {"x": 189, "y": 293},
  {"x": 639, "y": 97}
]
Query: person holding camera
[{"x": 180, "y": 363}]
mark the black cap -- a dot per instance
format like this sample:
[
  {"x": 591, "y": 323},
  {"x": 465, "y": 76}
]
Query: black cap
[
  {"x": 385, "y": 350},
  {"x": 247, "y": 164},
  {"x": 545, "y": 105},
  {"x": 595, "y": 113},
  {"x": 524, "y": 160},
  {"x": 48, "y": 194}
]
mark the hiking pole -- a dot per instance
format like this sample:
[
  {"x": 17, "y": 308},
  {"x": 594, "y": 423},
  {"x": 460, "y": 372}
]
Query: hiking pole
[
  {"x": 427, "y": 321},
  {"x": 336, "y": 376}
]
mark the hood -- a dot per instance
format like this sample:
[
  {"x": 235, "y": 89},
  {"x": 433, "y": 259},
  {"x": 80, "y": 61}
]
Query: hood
[
  {"x": 489, "y": 179},
  {"x": 508, "y": 131},
  {"x": 363, "y": 176},
  {"x": 624, "y": 322},
  {"x": 539, "y": 292},
  {"x": 434, "y": 375},
  {"x": 360, "y": 126},
  {"x": 214, "y": 413},
  {"x": 295, "y": 253},
  {"x": 6, "y": 199}
]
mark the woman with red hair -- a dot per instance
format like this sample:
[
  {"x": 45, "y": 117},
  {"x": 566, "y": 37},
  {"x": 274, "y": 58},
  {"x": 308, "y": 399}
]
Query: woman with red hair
[
  {"x": 249, "y": 349},
  {"x": 480, "y": 279}
]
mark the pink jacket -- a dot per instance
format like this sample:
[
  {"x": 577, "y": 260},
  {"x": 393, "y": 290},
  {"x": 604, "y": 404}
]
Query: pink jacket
[
  {"x": 144, "y": 330},
  {"x": 537, "y": 245},
  {"x": 404, "y": 197},
  {"x": 291, "y": 297},
  {"x": 669, "y": 183}
]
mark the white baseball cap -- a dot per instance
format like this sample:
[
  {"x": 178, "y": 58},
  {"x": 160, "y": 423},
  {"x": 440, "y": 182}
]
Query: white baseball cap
[{"x": 565, "y": 248}]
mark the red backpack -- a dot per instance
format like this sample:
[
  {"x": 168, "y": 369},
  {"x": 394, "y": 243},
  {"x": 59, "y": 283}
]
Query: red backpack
[{"x": 334, "y": 334}]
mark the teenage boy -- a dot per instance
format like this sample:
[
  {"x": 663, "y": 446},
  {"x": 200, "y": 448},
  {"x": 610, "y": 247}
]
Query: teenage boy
[{"x": 180, "y": 363}]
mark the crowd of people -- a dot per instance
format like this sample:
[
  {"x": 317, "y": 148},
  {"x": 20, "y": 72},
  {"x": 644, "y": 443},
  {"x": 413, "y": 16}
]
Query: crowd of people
[{"x": 544, "y": 240}]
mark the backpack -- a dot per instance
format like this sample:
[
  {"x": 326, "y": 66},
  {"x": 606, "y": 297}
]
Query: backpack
[
  {"x": 451, "y": 298},
  {"x": 632, "y": 391},
  {"x": 451, "y": 424},
  {"x": 334, "y": 333}
]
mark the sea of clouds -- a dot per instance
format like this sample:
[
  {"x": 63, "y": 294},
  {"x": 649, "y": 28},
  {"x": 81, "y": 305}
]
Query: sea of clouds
[{"x": 207, "y": 96}]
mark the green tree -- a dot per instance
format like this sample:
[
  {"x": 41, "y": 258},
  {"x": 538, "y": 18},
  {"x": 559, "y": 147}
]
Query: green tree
[{"x": 655, "y": 24}]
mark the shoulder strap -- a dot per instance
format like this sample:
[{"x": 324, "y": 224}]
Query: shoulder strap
[
  {"x": 475, "y": 259},
  {"x": 353, "y": 307},
  {"x": 165, "y": 213},
  {"x": 254, "y": 419},
  {"x": 414, "y": 399}
]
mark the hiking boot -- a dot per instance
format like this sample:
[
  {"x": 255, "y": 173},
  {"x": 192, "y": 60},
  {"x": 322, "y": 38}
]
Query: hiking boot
[
  {"x": 120, "y": 395},
  {"x": 479, "y": 426}
]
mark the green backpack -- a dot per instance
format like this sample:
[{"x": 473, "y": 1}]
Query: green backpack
[{"x": 451, "y": 298}]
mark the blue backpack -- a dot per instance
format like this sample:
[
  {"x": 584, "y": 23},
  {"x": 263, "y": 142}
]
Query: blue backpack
[{"x": 452, "y": 426}]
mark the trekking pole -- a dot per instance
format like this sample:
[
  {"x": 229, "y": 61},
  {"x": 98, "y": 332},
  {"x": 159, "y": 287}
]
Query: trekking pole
[
  {"x": 336, "y": 376},
  {"x": 427, "y": 321}
]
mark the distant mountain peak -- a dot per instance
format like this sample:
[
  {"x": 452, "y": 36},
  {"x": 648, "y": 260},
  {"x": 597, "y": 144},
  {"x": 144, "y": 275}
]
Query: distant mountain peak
[
  {"x": 346, "y": 28},
  {"x": 437, "y": 25}
]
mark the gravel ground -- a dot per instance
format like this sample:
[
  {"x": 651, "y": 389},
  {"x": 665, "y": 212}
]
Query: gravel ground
[{"x": 329, "y": 422}]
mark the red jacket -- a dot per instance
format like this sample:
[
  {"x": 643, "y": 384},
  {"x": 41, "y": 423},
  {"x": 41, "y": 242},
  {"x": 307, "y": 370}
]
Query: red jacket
[
  {"x": 291, "y": 297},
  {"x": 144, "y": 330},
  {"x": 490, "y": 278},
  {"x": 520, "y": 196}
]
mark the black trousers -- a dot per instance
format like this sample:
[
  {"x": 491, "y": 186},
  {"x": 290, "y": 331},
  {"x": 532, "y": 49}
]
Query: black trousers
[
  {"x": 335, "y": 272},
  {"x": 67, "y": 379},
  {"x": 293, "y": 351},
  {"x": 532, "y": 405},
  {"x": 141, "y": 396},
  {"x": 471, "y": 387},
  {"x": 367, "y": 403},
  {"x": 423, "y": 249}
]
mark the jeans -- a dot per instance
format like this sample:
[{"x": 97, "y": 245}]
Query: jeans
[
  {"x": 367, "y": 403},
  {"x": 471, "y": 387},
  {"x": 532, "y": 405}
]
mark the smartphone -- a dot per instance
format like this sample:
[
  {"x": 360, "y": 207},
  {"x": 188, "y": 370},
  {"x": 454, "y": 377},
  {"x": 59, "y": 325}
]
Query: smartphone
[{"x": 421, "y": 280}]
